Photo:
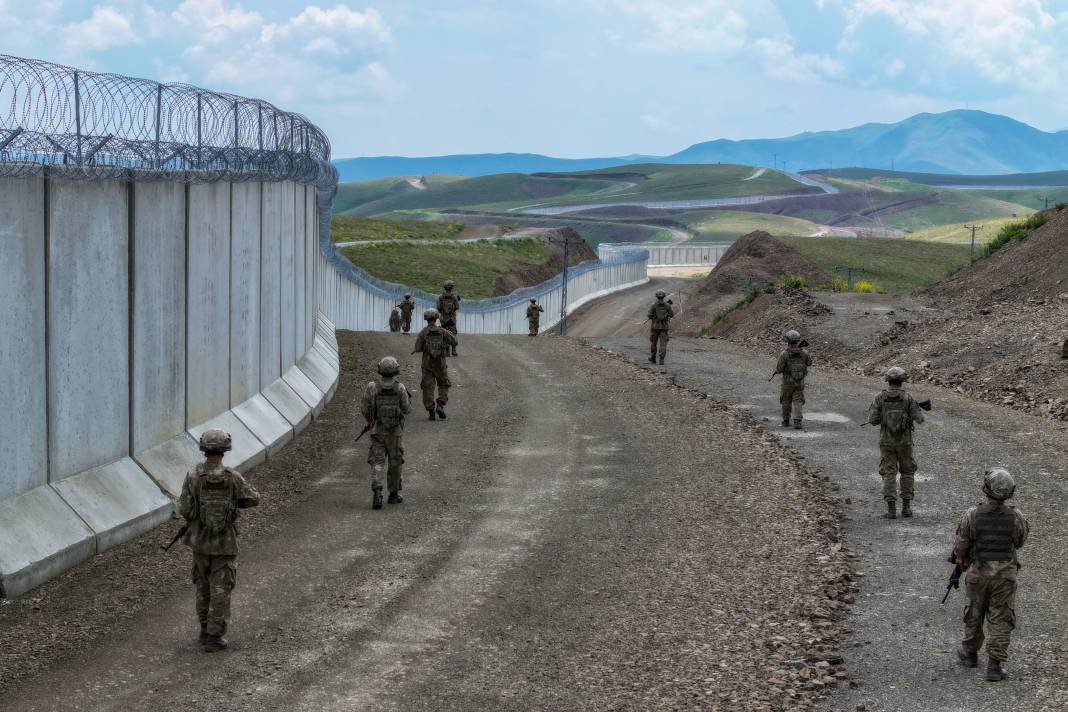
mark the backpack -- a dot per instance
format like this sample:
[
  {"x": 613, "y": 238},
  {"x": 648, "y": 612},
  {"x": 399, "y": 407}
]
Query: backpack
[
  {"x": 896, "y": 417},
  {"x": 662, "y": 312},
  {"x": 449, "y": 303},
  {"x": 434, "y": 343},
  {"x": 388, "y": 412},
  {"x": 216, "y": 499},
  {"x": 796, "y": 366}
]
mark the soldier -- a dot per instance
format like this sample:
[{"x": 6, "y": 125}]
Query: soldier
[
  {"x": 793, "y": 364},
  {"x": 896, "y": 413},
  {"x": 385, "y": 404},
  {"x": 659, "y": 318},
  {"x": 211, "y": 496},
  {"x": 534, "y": 311},
  {"x": 434, "y": 343},
  {"x": 986, "y": 543},
  {"x": 395, "y": 320},
  {"x": 407, "y": 306},
  {"x": 449, "y": 309}
]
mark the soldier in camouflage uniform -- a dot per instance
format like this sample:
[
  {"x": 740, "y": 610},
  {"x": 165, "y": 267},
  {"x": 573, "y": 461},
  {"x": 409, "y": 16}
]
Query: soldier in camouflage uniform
[
  {"x": 449, "y": 311},
  {"x": 434, "y": 343},
  {"x": 793, "y": 364},
  {"x": 211, "y": 496},
  {"x": 896, "y": 413},
  {"x": 385, "y": 404},
  {"x": 659, "y": 318},
  {"x": 395, "y": 321},
  {"x": 534, "y": 312},
  {"x": 406, "y": 306},
  {"x": 986, "y": 543}
]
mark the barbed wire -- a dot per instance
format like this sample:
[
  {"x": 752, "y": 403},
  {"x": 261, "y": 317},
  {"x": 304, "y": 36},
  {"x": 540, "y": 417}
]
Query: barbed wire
[{"x": 94, "y": 126}]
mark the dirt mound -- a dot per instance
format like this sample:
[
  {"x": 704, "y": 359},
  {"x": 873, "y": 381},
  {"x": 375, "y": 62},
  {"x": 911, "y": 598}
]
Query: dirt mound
[
  {"x": 761, "y": 324},
  {"x": 580, "y": 252},
  {"x": 757, "y": 259}
]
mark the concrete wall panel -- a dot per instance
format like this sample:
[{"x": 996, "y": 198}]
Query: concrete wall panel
[
  {"x": 300, "y": 296},
  {"x": 23, "y": 417},
  {"x": 157, "y": 369},
  {"x": 208, "y": 337},
  {"x": 311, "y": 252},
  {"x": 270, "y": 294},
  {"x": 289, "y": 280},
  {"x": 245, "y": 292},
  {"x": 88, "y": 326}
]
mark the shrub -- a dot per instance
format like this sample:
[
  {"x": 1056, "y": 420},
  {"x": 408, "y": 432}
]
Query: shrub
[
  {"x": 1015, "y": 231},
  {"x": 794, "y": 281},
  {"x": 864, "y": 287}
]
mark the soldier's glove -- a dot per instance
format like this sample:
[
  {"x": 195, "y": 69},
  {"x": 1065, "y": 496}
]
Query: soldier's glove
[
  {"x": 926, "y": 405},
  {"x": 670, "y": 302}
]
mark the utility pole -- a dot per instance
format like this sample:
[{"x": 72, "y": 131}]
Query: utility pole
[
  {"x": 973, "y": 228},
  {"x": 775, "y": 161},
  {"x": 1046, "y": 201},
  {"x": 566, "y": 242}
]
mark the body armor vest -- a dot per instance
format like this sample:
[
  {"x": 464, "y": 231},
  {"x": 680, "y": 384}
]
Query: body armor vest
[
  {"x": 995, "y": 525},
  {"x": 388, "y": 407},
  {"x": 796, "y": 367},
  {"x": 216, "y": 499},
  {"x": 449, "y": 304},
  {"x": 895, "y": 412},
  {"x": 434, "y": 342}
]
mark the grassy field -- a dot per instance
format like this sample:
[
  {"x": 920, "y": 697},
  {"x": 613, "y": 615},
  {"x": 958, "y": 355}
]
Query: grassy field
[
  {"x": 350, "y": 228},
  {"x": 1032, "y": 199},
  {"x": 896, "y": 266},
  {"x": 952, "y": 207},
  {"x": 654, "y": 181},
  {"x": 729, "y": 225},
  {"x": 958, "y": 233},
  {"x": 352, "y": 195},
  {"x": 474, "y": 266},
  {"x": 936, "y": 179}
]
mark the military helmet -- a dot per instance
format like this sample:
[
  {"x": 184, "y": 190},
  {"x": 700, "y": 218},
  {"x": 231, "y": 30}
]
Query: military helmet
[
  {"x": 896, "y": 373},
  {"x": 216, "y": 441},
  {"x": 431, "y": 314},
  {"x": 407, "y": 296},
  {"x": 660, "y": 294},
  {"x": 792, "y": 336},
  {"x": 532, "y": 300},
  {"x": 998, "y": 483},
  {"x": 388, "y": 367},
  {"x": 449, "y": 284}
]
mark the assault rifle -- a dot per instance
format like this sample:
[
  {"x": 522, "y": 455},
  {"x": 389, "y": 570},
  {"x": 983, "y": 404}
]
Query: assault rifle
[
  {"x": 181, "y": 532},
  {"x": 924, "y": 405},
  {"x": 363, "y": 432},
  {"x": 954, "y": 578}
]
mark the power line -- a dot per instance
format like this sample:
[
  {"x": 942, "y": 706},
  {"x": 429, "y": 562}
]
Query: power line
[{"x": 973, "y": 228}]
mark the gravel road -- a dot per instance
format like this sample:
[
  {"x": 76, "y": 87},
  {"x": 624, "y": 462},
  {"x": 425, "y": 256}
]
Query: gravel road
[
  {"x": 624, "y": 313},
  {"x": 902, "y": 641},
  {"x": 570, "y": 540}
]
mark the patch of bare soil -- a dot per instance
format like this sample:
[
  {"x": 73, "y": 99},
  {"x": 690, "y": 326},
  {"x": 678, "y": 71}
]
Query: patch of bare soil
[
  {"x": 580, "y": 252},
  {"x": 761, "y": 324}
]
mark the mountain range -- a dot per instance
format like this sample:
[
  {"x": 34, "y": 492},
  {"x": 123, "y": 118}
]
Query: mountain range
[{"x": 953, "y": 142}]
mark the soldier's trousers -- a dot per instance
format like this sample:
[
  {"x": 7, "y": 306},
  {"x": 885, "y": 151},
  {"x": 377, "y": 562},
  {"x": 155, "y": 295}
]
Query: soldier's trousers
[
  {"x": 407, "y": 324},
  {"x": 792, "y": 400},
  {"x": 394, "y": 328},
  {"x": 894, "y": 459},
  {"x": 450, "y": 326},
  {"x": 385, "y": 458},
  {"x": 658, "y": 339},
  {"x": 435, "y": 377},
  {"x": 534, "y": 325},
  {"x": 214, "y": 578},
  {"x": 990, "y": 599}
]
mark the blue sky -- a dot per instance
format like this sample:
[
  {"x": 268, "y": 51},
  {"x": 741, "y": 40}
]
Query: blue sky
[{"x": 574, "y": 77}]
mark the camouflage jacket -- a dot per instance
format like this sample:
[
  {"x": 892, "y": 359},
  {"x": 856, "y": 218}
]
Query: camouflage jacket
[
  {"x": 783, "y": 365},
  {"x": 448, "y": 341},
  {"x": 370, "y": 406},
  {"x": 448, "y": 305},
  {"x": 657, "y": 324},
  {"x": 965, "y": 539},
  {"x": 406, "y": 306},
  {"x": 534, "y": 312},
  {"x": 198, "y": 538},
  {"x": 910, "y": 408}
]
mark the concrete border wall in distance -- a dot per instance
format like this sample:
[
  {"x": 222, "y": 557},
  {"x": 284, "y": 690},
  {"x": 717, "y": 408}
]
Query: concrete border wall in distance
[
  {"x": 669, "y": 255},
  {"x": 132, "y": 320}
]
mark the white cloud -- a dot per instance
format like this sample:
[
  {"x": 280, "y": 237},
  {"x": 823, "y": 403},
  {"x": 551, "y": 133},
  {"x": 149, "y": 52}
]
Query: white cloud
[
  {"x": 894, "y": 67},
  {"x": 782, "y": 61},
  {"x": 216, "y": 17},
  {"x": 105, "y": 28},
  {"x": 712, "y": 26}
]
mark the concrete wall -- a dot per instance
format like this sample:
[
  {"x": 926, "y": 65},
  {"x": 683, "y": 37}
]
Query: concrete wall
[
  {"x": 683, "y": 255},
  {"x": 133, "y": 317}
]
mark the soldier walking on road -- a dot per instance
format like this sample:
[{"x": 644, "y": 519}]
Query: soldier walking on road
[
  {"x": 793, "y": 364},
  {"x": 449, "y": 309},
  {"x": 395, "y": 321},
  {"x": 211, "y": 496},
  {"x": 385, "y": 403},
  {"x": 434, "y": 343},
  {"x": 896, "y": 413},
  {"x": 407, "y": 307},
  {"x": 659, "y": 318},
  {"x": 986, "y": 543},
  {"x": 534, "y": 311}
]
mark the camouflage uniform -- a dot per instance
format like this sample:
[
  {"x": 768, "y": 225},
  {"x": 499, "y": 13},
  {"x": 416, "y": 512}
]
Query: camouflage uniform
[
  {"x": 534, "y": 312},
  {"x": 659, "y": 316},
  {"x": 435, "y": 372},
  {"x": 896, "y": 412},
  {"x": 793, "y": 364},
  {"x": 449, "y": 308},
  {"x": 986, "y": 542},
  {"x": 407, "y": 306},
  {"x": 210, "y": 488},
  {"x": 385, "y": 404},
  {"x": 395, "y": 320}
]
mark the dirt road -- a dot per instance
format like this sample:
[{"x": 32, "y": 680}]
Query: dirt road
[
  {"x": 902, "y": 642},
  {"x": 624, "y": 313},
  {"x": 557, "y": 550}
]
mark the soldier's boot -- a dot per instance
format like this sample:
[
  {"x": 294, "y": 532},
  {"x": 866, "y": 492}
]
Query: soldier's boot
[
  {"x": 204, "y": 633},
  {"x": 906, "y": 508},
  {"x": 652, "y": 357},
  {"x": 994, "y": 671},
  {"x": 376, "y": 498},
  {"x": 395, "y": 498},
  {"x": 891, "y": 509},
  {"x": 215, "y": 643},
  {"x": 797, "y": 424},
  {"x": 432, "y": 415},
  {"x": 786, "y": 422},
  {"x": 441, "y": 411},
  {"x": 967, "y": 659},
  {"x": 661, "y": 360}
]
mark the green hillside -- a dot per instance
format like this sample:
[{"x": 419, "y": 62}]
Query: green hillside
[
  {"x": 729, "y": 225},
  {"x": 351, "y": 228}
]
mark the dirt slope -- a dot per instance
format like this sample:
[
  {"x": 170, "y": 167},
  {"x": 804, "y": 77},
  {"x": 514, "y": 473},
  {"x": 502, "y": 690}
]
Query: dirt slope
[{"x": 580, "y": 252}]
